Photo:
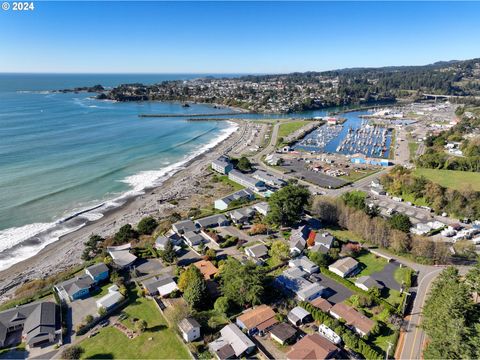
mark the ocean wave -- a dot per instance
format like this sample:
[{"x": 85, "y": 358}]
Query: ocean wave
[
  {"x": 35, "y": 244},
  {"x": 145, "y": 179},
  {"x": 21, "y": 243}
]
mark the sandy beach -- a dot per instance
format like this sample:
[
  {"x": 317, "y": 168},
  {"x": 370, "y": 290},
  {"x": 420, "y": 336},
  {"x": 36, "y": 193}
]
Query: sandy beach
[{"x": 66, "y": 252}]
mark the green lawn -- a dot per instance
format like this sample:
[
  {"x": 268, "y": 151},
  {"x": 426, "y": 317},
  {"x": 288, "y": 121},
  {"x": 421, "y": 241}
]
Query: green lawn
[
  {"x": 357, "y": 175},
  {"x": 287, "y": 128},
  {"x": 372, "y": 264},
  {"x": 412, "y": 147},
  {"x": 452, "y": 179},
  {"x": 401, "y": 273},
  {"x": 232, "y": 184},
  {"x": 103, "y": 290},
  {"x": 111, "y": 343},
  {"x": 344, "y": 235}
]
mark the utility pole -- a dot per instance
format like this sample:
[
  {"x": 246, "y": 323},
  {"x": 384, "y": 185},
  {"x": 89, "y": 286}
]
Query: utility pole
[{"x": 388, "y": 350}]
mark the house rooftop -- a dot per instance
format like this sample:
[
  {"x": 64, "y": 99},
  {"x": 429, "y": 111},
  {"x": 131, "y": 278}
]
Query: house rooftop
[
  {"x": 212, "y": 220},
  {"x": 97, "y": 269},
  {"x": 345, "y": 264},
  {"x": 311, "y": 347},
  {"x": 188, "y": 324},
  {"x": 260, "y": 317},
  {"x": 121, "y": 255},
  {"x": 258, "y": 251},
  {"x": 206, "y": 268},
  {"x": 283, "y": 331},
  {"x": 322, "y": 304},
  {"x": 353, "y": 317},
  {"x": 368, "y": 281}
]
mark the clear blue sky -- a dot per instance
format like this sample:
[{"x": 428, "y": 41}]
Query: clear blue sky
[{"x": 234, "y": 37}]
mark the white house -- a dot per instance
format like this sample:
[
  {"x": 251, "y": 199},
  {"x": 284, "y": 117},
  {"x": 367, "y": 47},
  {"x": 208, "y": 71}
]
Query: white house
[
  {"x": 244, "y": 194},
  {"x": 262, "y": 208},
  {"x": 111, "y": 299},
  {"x": 247, "y": 181},
  {"x": 367, "y": 282},
  {"x": 121, "y": 255},
  {"x": 222, "y": 165},
  {"x": 344, "y": 267},
  {"x": 190, "y": 329},
  {"x": 166, "y": 286}
]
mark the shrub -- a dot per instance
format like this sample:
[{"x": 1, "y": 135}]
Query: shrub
[
  {"x": 147, "y": 225},
  {"x": 72, "y": 352}
]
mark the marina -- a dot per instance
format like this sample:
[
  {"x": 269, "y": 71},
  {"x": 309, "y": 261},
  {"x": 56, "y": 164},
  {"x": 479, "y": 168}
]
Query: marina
[
  {"x": 355, "y": 136},
  {"x": 370, "y": 140}
]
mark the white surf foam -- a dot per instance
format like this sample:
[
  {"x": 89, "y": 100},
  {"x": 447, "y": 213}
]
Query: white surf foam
[
  {"x": 145, "y": 179},
  {"x": 13, "y": 236}
]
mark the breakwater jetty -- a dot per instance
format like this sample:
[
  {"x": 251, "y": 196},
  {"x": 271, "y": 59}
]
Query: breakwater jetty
[{"x": 191, "y": 115}]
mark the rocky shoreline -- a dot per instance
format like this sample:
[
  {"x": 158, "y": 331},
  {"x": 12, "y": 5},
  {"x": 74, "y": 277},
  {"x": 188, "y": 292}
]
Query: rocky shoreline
[{"x": 66, "y": 252}]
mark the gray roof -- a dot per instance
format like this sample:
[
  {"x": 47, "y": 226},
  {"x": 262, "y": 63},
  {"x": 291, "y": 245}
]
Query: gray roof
[
  {"x": 222, "y": 161},
  {"x": 304, "y": 263},
  {"x": 236, "y": 339},
  {"x": 155, "y": 282},
  {"x": 184, "y": 225},
  {"x": 345, "y": 265},
  {"x": 42, "y": 320},
  {"x": 97, "y": 269},
  {"x": 193, "y": 237},
  {"x": 297, "y": 313},
  {"x": 121, "y": 255},
  {"x": 257, "y": 251},
  {"x": 324, "y": 239},
  {"x": 188, "y": 324},
  {"x": 309, "y": 290},
  {"x": 283, "y": 331},
  {"x": 368, "y": 281},
  {"x": 246, "y": 179},
  {"x": 213, "y": 220},
  {"x": 74, "y": 285},
  {"x": 240, "y": 194},
  {"x": 240, "y": 214},
  {"x": 268, "y": 178}
]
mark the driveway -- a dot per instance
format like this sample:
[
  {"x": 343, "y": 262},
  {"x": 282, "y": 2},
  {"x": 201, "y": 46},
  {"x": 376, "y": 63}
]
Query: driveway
[
  {"x": 386, "y": 277},
  {"x": 80, "y": 309},
  {"x": 146, "y": 268},
  {"x": 336, "y": 291}
]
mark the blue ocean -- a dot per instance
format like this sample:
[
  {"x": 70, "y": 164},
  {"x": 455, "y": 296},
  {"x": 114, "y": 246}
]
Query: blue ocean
[{"x": 64, "y": 153}]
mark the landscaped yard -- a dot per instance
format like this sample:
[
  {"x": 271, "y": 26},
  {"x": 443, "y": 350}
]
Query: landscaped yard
[
  {"x": 452, "y": 179},
  {"x": 157, "y": 342},
  {"x": 372, "y": 264},
  {"x": 287, "y": 128}
]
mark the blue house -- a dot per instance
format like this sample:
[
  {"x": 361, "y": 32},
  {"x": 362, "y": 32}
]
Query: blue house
[
  {"x": 76, "y": 288},
  {"x": 98, "y": 272}
]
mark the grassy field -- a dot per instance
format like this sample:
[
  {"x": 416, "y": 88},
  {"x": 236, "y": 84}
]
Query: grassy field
[
  {"x": 452, "y": 179},
  {"x": 224, "y": 179},
  {"x": 412, "y": 147},
  {"x": 286, "y": 129},
  {"x": 357, "y": 175},
  {"x": 110, "y": 343},
  {"x": 372, "y": 264},
  {"x": 344, "y": 235}
]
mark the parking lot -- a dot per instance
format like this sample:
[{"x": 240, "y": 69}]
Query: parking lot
[{"x": 300, "y": 170}]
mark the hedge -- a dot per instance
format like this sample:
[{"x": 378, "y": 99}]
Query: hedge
[{"x": 348, "y": 336}]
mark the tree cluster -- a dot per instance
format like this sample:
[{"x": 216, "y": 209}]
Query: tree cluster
[
  {"x": 464, "y": 203},
  {"x": 377, "y": 231},
  {"x": 451, "y": 318}
]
